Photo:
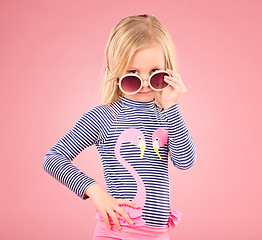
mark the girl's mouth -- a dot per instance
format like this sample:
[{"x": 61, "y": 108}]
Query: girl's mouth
[{"x": 145, "y": 92}]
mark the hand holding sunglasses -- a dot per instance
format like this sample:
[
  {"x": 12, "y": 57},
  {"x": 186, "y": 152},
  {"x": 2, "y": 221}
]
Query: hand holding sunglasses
[
  {"x": 171, "y": 95},
  {"x": 131, "y": 83}
]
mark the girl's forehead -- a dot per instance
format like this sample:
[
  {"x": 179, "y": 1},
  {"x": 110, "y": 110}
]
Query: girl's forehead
[{"x": 151, "y": 56}]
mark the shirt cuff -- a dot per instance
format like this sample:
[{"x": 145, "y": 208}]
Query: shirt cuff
[
  {"x": 86, "y": 196},
  {"x": 171, "y": 112},
  {"x": 83, "y": 186}
]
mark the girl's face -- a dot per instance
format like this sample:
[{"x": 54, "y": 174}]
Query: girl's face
[{"x": 143, "y": 63}]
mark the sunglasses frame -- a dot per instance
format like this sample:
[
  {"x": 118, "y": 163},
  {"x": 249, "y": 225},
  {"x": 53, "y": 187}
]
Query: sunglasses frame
[{"x": 141, "y": 80}]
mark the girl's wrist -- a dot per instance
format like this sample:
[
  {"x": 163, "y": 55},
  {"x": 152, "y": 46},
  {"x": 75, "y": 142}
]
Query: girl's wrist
[{"x": 90, "y": 189}]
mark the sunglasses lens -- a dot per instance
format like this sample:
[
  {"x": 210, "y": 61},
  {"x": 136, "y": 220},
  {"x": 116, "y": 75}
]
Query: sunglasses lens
[
  {"x": 157, "y": 81},
  {"x": 130, "y": 84}
]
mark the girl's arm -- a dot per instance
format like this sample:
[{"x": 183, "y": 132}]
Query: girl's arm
[
  {"x": 58, "y": 160},
  {"x": 58, "y": 163},
  {"x": 181, "y": 146}
]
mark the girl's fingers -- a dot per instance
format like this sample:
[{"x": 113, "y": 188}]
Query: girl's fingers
[
  {"x": 179, "y": 87},
  {"x": 173, "y": 73},
  {"x": 106, "y": 220},
  {"x": 108, "y": 206},
  {"x": 170, "y": 82},
  {"x": 176, "y": 79},
  {"x": 122, "y": 212},
  {"x": 174, "y": 76},
  {"x": 112, "y": 214},
  {"x": 174, "y": 82}
]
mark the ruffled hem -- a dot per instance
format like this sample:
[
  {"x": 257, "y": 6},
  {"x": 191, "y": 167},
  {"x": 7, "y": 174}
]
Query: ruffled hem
[
  {"x": 136, "y": 215},
  {"x": 174, "y": 218}
]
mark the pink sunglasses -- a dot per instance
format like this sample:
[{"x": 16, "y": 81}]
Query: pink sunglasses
[{"x": 131, "y": 83}]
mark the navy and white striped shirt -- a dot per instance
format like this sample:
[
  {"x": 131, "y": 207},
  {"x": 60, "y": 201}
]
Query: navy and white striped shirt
[{"x": 103, "y": 126}]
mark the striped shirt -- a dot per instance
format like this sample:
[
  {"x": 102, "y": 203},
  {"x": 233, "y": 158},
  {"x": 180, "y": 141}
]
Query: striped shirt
[{"x": 162, "y": 131}]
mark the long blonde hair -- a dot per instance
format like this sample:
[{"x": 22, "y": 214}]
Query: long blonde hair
[{"x": 128, "y": 36}]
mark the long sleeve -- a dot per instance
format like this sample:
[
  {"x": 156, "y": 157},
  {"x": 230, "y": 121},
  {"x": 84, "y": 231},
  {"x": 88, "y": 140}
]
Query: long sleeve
[
  {"x": 182, "y": 149},
  {"x": 58, "y": 160}
]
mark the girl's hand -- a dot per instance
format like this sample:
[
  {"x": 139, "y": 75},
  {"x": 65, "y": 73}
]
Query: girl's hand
[
  {"x": 108, "y": 205},
  {"x": 173, "y": 92}
]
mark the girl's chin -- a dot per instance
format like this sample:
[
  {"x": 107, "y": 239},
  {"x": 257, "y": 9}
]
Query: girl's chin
[{"x": 141, "y": 97}]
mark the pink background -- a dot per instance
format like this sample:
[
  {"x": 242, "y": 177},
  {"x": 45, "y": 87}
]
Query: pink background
[{"x": 51, "y": 68}]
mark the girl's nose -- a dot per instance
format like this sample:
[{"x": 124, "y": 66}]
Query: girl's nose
[{"x": 145, "y": 82}]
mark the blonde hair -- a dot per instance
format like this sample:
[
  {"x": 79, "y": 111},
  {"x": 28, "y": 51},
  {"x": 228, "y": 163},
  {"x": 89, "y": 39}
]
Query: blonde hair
[{"x": 128, "y": 36}]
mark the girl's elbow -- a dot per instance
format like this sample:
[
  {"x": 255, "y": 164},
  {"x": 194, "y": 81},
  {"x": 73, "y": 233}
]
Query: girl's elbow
[
  {"x": 186, "y": 163},
  {"x": 190, "y": 163},
  {"x": 191, "y": 160},
  {"x": 48, "y": 162}
]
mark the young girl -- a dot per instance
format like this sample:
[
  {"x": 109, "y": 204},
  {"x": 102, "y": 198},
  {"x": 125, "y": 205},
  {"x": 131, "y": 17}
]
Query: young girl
[{"x": 134, "y": 129}]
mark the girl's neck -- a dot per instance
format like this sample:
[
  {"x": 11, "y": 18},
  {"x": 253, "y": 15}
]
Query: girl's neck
[{"x": 135, "y": 104}]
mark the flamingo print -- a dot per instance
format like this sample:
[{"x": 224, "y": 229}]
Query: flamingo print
[
  {"x": 159, "y": 139},
  {"x": 136, "y": 137}
]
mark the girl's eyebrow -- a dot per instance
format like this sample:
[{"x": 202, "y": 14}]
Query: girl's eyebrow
[
  {"x": 133, "y": 68},
  {"x": 158, "y": 66}
]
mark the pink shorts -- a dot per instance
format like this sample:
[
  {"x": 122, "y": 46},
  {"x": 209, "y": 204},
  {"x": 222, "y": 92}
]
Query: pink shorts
[{"x": 102, "y": 232}]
